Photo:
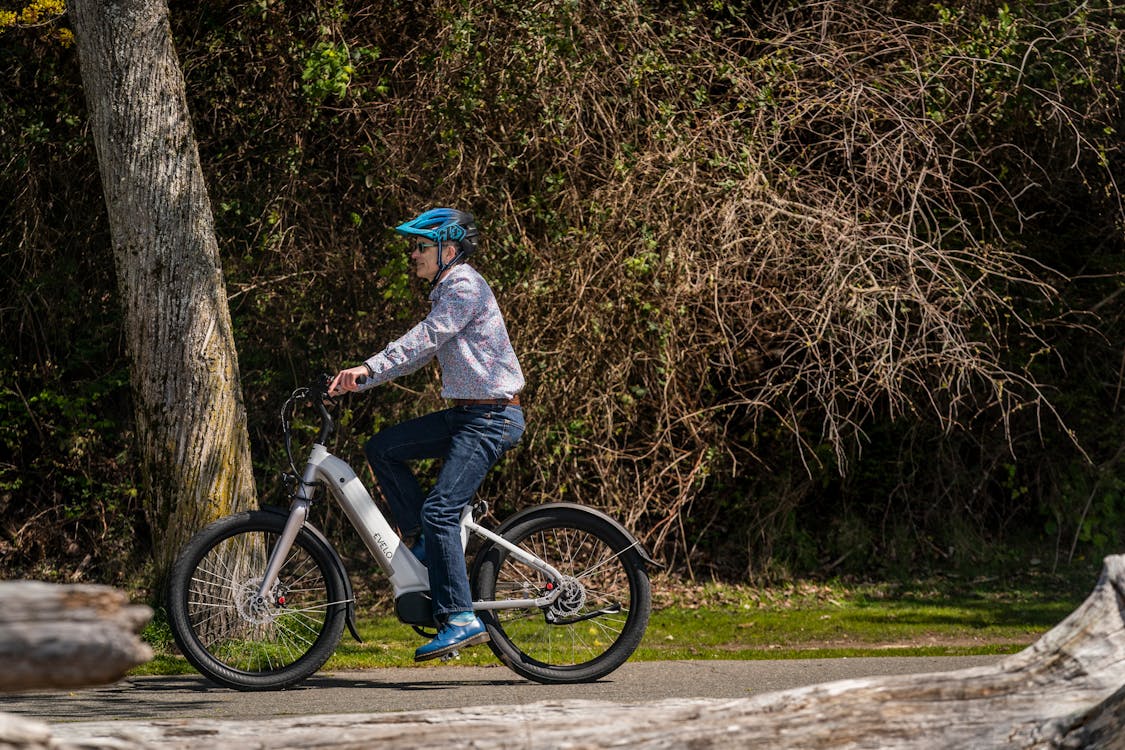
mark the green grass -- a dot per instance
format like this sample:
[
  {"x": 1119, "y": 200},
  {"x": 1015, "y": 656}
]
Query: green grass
[
  {"x": 849, "y": 628},
  {"x": 934, "y": 617}
]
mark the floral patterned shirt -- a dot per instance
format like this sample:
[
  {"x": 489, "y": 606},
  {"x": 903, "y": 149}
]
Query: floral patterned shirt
[{"x": 466, "y": 332}]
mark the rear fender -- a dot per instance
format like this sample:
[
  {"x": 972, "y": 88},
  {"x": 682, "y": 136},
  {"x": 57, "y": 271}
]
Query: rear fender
[{"x": 531, "y": 512}]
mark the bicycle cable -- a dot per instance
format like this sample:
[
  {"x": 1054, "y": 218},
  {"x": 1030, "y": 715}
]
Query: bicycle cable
[{"x": 286, "y": 428}]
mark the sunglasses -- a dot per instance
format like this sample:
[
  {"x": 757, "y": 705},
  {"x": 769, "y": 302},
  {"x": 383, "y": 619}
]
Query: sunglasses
[{"x": 422, "y": 246}]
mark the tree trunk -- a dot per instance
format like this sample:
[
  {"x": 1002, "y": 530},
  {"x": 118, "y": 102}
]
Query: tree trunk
[{"x": 191, "y": 425}]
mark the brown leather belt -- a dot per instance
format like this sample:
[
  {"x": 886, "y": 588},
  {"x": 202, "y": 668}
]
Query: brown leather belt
[{"x": 513, "y": 401}]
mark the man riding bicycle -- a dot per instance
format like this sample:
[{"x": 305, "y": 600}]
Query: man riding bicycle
[{"x": 481, "y": 375}]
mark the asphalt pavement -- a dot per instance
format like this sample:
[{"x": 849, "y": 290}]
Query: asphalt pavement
[{"x": 449, "y": 686}]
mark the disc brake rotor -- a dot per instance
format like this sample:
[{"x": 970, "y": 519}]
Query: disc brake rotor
[
  {"x": 256, "y": 609},
  {"x": 571, "y": 599}
]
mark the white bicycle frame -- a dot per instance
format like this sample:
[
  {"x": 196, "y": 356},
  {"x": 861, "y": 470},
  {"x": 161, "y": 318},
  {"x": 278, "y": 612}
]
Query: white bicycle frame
[{"x": 403, "y": 569}]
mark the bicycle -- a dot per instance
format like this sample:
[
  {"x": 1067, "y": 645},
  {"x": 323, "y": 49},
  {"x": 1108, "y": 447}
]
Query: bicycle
[{"x": 259, "y": 600}]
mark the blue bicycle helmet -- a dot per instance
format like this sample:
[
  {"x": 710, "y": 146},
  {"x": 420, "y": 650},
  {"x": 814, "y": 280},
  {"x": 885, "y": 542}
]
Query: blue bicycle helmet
[{"x": 442, "y": 225}]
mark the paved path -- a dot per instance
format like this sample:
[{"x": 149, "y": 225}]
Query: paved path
[{"x": 437, "y": 687}]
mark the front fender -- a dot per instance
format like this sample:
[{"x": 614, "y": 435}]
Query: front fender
[{"x": 317, "y": 534}]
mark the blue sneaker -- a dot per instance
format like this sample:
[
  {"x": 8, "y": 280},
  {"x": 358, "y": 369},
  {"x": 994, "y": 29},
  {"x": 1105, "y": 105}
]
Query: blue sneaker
[{"x": 452, "y": 637}]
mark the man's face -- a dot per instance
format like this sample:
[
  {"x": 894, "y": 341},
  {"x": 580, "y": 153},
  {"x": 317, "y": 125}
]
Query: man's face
[{"x": 425, "y": 258}]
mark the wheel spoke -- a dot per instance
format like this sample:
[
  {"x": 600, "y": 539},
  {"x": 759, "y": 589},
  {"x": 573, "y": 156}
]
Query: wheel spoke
[
  {"x": 576, "y": 634},
  {"x": 240, "y": 631}
]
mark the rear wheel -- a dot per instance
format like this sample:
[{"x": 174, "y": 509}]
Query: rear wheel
[
  {"x": 241, "y": 640},
  {"x": 599, "y": 617}
]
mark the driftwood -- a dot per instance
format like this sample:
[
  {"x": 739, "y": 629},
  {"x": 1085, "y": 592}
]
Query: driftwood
[
  {"x": 54, "y": 636},
  {"x": 1065, "y": 691}
]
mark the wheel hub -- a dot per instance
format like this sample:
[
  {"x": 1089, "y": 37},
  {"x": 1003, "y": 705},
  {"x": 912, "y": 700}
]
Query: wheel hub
[
  {"x": 571, "y": 598},
  {"x": 258, "y": 609}
]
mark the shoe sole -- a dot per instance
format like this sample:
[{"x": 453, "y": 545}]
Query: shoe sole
[{"x": 475, "y": 640}]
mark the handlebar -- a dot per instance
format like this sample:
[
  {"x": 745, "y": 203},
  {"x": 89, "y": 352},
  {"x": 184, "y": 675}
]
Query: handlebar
[{"x": 317, "y": 393}]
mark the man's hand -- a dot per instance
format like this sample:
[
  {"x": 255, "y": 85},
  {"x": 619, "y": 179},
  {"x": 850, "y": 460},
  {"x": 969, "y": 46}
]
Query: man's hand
[{"x": 345, "y": 380}]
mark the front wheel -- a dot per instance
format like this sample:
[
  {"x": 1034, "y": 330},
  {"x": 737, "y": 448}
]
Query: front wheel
[
  {"x": 600, "y": 616},
  {"x": 241, "y": 640}
]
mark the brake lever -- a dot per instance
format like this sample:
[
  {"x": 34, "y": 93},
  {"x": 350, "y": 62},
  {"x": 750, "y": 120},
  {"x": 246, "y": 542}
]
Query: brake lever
[{"x": 326, "y": 394}]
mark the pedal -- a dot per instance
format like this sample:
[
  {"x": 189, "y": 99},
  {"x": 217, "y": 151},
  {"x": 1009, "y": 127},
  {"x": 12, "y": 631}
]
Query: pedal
[{"x": 450, "y": 656}]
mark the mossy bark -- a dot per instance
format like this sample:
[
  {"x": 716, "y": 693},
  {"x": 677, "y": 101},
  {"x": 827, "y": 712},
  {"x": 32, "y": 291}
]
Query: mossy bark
[{"x": 191, "y": 423}]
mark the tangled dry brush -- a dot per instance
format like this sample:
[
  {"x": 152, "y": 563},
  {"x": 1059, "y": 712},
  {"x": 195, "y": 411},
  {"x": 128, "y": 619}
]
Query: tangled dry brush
[{"x": 738, "y": 234}]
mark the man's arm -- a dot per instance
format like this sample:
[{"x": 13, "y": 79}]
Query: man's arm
[{"x": 457, "y": 304}]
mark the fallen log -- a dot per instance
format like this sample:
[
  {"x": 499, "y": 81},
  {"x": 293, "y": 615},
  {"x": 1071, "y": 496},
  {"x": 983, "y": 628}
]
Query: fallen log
[
  {"x": 19, "y": 733},
  {"x": 1065, "y": 691},
  {"x": 58, "y": 636}
]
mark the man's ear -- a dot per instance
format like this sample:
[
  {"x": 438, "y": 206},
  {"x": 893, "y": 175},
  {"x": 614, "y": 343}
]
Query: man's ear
[{"x": 448, "y": 251}]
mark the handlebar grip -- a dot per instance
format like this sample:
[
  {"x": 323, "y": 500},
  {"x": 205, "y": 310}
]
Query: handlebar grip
[{"x": 361, "y": 380}]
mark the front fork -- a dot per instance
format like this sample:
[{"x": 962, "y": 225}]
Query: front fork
[{"x": 298, "y": 514}]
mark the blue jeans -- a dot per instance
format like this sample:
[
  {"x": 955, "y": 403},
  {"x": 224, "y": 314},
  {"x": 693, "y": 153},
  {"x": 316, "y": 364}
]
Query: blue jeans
[{"x": 471, "y": 440}]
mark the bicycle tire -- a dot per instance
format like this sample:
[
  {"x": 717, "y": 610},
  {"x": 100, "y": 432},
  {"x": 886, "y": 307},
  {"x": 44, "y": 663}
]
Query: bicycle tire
[
  {"x": 231, "y": 637},
  {"x": 597, "y": 622}
]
